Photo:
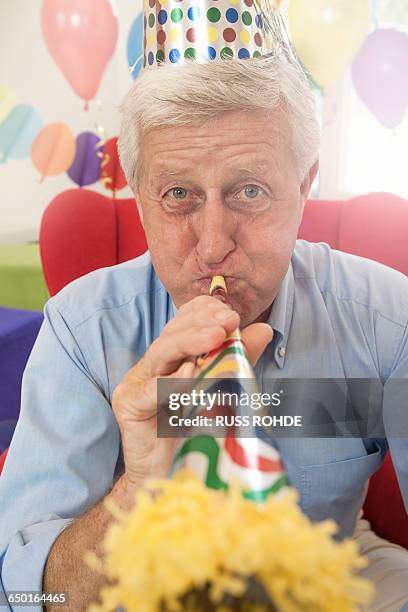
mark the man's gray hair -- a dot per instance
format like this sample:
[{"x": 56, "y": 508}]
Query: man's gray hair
[{"x": 192, "y": 93}]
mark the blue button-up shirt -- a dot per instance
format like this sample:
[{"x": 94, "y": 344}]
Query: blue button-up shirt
[{"x": 335, "y": 316}]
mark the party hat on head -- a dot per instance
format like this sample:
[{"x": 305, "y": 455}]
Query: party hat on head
[{"x": 177, "y": 31}]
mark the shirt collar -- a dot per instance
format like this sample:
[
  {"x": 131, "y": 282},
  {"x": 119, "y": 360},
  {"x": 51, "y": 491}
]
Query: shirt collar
[
  {"x": 173, "y": 309},
  {"x": 280, "y": 316},
  {"x": 282, "y": 307}
]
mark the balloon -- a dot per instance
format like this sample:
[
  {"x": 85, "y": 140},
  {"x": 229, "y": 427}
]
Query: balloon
[
  {"x": 53, "y": 150},
  {"x": 112, "y": 175},
  {"x": 380, "y": 75},
  {"x": 86, "y": 167},
  {"x": 135, "y": 46},
  {"x": 8, "y": 99},
  {"x": 81, "y": 36},
  {"x": 18, "y": 131},
  {"x": 327, "y": 34}
]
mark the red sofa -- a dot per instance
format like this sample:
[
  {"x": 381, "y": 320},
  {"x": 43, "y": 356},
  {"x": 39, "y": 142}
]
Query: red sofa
[
  {"x": 373, "y": 226},
  {"x": 3, "y": 458},
  {"x": 82, "y": 231}
]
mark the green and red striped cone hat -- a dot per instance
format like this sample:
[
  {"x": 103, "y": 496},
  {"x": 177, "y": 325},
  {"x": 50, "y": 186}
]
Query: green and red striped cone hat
[{"x": 255, "y": 464}]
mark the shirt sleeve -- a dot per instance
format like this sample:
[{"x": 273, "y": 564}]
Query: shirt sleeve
[
  {"x": 395, "y": 414},
  {"x": 62, "y": 458}
]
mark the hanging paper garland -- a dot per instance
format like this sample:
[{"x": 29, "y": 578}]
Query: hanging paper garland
[
  {"x": 18, "y": 131},
  {"x": 53, "y": 150},
  {"x": 112, "y": 175},
  {"x": 86, "y": 167}
]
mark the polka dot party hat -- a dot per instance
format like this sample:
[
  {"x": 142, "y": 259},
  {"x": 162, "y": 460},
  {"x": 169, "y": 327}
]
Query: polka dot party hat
[{"x": 176, "y": 31}]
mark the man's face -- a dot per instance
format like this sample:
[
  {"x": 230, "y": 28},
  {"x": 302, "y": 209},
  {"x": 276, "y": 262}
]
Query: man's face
[{"x": 223, "y": 197}]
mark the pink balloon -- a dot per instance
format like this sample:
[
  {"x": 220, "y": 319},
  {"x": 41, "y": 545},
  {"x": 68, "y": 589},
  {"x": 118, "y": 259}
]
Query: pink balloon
[
  {"x": 380, "y": 75},
  {"x": 81, "y": 36}
]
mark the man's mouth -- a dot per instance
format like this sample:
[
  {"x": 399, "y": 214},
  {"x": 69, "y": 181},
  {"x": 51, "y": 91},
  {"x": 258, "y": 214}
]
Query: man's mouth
[{"x": 203, "y": 284}]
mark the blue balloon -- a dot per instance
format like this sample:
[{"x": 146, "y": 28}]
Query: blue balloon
[
  {"x": 18, "y": 131},
  {"x": 135, "y": 46}
]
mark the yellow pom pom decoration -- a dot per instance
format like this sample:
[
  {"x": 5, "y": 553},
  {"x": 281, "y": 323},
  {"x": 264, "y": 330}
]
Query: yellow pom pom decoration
[{"x": 184, "y": 543}]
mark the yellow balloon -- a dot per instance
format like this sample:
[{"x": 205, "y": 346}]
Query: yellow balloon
[
  {"x": 8, "y": 99},
  {"x": 327, "y": 34}
]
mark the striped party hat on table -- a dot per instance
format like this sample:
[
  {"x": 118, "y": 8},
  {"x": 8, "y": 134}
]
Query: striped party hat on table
[
  {"x": 220, "y": 461},
  {"x": 176, "y": 31}
]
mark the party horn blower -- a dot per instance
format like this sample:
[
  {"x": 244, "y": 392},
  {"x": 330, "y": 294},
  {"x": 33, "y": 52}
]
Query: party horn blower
[{"x": 221, "y": 461}]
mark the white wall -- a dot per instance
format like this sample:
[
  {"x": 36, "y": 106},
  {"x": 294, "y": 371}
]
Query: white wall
[{"x": 27, "y": 67}]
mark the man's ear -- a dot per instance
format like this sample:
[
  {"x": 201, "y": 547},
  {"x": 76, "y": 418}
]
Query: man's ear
[
  {"x": 139, "y": 207},
  {"x": 308, "y": 180}
]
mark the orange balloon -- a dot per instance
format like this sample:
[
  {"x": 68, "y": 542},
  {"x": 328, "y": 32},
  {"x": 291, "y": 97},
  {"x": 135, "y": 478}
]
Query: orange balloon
[{"x": 53, "y": 151}]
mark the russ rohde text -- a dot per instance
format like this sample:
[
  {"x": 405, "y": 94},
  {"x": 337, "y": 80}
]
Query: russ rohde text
[{"x": 236, "y": 420}]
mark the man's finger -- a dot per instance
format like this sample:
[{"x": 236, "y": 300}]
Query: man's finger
[
  {"x": 167, "y": 353},
  {"x": 256, "y": 337},
  {"x": 203, "y": 313}
]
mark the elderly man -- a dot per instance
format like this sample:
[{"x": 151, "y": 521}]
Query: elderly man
[{"x": 221, "y": 157}]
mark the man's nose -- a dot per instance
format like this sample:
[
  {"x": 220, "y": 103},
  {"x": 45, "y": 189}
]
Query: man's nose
[{"x": 215, "y": 229}]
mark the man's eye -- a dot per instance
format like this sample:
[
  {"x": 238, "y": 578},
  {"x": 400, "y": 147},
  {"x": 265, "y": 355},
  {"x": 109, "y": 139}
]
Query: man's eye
[
  {"x": 178, "y": 192},
  {"x": 252, "y": 191},
  {"x": 250, "y": 198}
]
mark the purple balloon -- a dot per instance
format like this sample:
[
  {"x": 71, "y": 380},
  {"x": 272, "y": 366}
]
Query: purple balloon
[
  {"x": 380, "y": 75},
  {"x": 86, "y": 167}
]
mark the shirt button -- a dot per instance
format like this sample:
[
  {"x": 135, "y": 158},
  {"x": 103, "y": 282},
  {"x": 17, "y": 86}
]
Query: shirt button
[{"x": 282, "y": 351}]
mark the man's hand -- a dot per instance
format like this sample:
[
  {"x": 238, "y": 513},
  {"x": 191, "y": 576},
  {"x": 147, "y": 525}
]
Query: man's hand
[{"x": 199, "y": 326}]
